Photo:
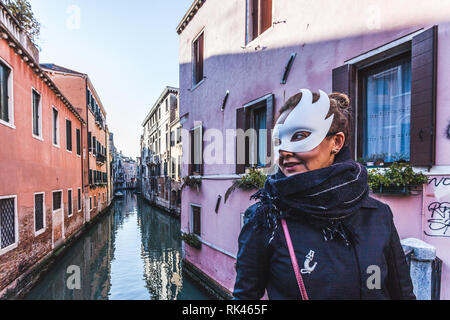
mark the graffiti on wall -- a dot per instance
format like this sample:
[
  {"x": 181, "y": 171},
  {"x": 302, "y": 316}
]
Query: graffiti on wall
[{"x": 437, "y": 207}]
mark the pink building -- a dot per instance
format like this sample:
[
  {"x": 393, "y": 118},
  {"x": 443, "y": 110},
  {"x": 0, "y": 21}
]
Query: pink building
[
  {"x": 241, "y": 60},
  {"x": 41, "y": 180}
]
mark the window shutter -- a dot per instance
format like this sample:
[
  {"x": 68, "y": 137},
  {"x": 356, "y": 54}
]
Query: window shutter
[
  {"x": 255, "y": 19},
  {"x": 266, "y": 15},
  {"x": 191, "y": 158},
  {"x": 269, "y": 125},
  {"x": 423, "y": 97},
  {"x": 198, "y": 148},
  {"x": 344, "y": 81},
  {"x": 241, "y": 123}
]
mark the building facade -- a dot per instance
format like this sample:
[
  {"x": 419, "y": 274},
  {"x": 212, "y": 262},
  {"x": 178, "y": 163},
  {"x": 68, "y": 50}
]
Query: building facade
[
  {"x": 79, "y": 89},
  {"x": 41, "y": 132},
  {"x": 236, "y": 71},
  {"x": 161, "y": 152}
]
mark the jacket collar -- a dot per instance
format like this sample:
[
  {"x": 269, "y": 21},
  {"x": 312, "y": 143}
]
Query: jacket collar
[{"x": 369, "y": 202}]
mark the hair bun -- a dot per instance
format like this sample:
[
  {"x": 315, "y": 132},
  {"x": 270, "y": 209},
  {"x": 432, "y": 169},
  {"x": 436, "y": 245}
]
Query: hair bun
[{"x": 342, "y": 100}]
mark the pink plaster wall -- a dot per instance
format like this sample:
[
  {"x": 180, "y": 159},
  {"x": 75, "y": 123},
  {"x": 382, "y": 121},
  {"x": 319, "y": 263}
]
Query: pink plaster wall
[
  {"x": 29, "y": 165},
  {"x": 324, "y": 34}
]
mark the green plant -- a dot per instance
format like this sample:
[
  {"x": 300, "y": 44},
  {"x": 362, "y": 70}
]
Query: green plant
[
  {"x": 23, "y": 13},
  {"x": 191, "y": 182},
  {"x": 253, "y": 180},
  {"x": 397, "y": 175},
  {"x": 192, "y": 240}
]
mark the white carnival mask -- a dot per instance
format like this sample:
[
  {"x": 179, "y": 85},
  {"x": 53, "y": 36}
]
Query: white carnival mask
[{"x": 306, "y": 116}]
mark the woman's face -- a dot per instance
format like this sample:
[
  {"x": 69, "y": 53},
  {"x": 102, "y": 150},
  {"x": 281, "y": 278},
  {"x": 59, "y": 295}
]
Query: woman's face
[{"x": 322, "y": 156}]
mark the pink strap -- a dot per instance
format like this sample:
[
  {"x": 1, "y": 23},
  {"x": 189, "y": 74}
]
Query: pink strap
[{"x": 298, "y": 275}]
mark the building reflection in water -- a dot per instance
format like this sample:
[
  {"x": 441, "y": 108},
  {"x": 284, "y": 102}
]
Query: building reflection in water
[{"x": 132, "y": 253}]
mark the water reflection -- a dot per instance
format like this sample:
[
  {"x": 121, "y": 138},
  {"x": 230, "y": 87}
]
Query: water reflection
[{"x": 132, "y": 253}]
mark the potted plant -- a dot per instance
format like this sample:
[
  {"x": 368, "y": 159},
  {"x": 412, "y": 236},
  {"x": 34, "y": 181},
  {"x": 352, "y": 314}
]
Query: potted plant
[
  {"x": 397, "y": 179},
  {"x": 192, "y": 240},
  {"x": 191, "y": 182},
  {"x": 253, "y": 180}
]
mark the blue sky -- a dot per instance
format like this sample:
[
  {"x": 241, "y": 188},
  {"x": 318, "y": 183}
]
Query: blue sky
[{"x": 128, "y": 48}]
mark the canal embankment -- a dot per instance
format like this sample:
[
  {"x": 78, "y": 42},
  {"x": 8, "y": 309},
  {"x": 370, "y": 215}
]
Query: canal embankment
[
  {"x": 132, "y": 253},
  {"x": 21, "y": 286}
]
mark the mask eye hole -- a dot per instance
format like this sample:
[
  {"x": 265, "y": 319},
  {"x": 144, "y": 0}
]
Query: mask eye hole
[
  {"x": 300, "y": 135},
  {"x": 277, "y": 142}
]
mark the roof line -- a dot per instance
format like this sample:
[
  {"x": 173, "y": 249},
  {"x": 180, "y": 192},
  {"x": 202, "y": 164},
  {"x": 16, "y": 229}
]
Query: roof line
[
  {"x": 165, "y": 92},
  {"x": 195, "y": 6},
  {"x": 29, "y": 59}
]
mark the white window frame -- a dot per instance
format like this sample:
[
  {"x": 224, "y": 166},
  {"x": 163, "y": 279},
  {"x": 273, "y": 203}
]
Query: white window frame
[
  {"x": 193, "y": 84},
  {"x": 249, "y": 42},
  {"x": 9, "y": 124},
  {"x": 16, "y": 226},
  {"x": 90, "y": 204},
  {"x": 41, "y": 134},
  {"x": 71, "y": 135},
  {"x": 81, "y": 143},
  {"x": 39, "y": 232},
  {"x": 58, "y": 143},
  {"x": 68, "y": 213},
  {"x": 79, "y": 200},
  {"x": 191, "y": 218},
  {"x": 242, "y": 219},
  {"x": 62, "y": 201}
]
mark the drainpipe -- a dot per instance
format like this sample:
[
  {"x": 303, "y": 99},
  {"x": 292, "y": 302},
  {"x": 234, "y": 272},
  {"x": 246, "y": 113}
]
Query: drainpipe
[{"x": 87, "y": 146}]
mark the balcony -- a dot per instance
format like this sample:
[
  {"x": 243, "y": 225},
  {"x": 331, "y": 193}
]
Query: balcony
[{"x": 101, "y": 159}]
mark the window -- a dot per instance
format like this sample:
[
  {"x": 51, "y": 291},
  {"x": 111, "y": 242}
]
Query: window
[
  {"x": 57, "y": 200},
  {"x": 253, "y": 143},
  {"x": 198, "y": 57},
  {"x": 94, "y": 145},
  {"x": 78, "y": 142},
  {"x": 37, "y": 114},
  {"x": 90, "y": 141},
  {"x": 8, "y": 222},
  {"x": 69, "y": 135},
  {"x": 79, "y": 199},
  {"x": 55, "y": 127},
  {"x": 90, "y": 176},
  {"x": 95, "y": 201},
  {"x": 90, "y": 203},
  {"x": 386, "y": 92},
  {"x": 39, "y": 212},
  {"x": 405, "y": 77},
  {"x": 196, "y": 220},
  {"x": 259, "y": 18},
  {"x": 259, "y": 124},
  {"x": 69, "y": 202},
  {"x": 6, "y": 112},
  {"x": 196, "y": 159}
]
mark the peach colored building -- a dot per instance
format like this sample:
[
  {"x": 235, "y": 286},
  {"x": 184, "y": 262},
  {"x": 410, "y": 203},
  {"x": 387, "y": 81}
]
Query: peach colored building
[
  {"x": 241, "y": 60},
  {"x": 80, "y": 90},
  {"x": 41, "y": 180}
]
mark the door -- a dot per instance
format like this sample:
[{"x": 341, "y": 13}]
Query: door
[{"x": 57, "y": 219}]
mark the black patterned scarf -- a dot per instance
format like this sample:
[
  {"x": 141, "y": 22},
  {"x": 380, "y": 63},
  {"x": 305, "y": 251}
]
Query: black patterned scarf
[{"x": 325, "y": 197}]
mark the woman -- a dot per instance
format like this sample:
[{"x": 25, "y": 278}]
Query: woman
[{"x": 315, "y": 232}]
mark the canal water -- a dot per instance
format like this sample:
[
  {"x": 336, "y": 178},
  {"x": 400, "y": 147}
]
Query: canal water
[{"x": 133, "y": 253}]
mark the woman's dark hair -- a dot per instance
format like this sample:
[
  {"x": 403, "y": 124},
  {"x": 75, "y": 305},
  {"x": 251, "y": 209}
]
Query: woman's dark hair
[{"x": 339, "y": 106}]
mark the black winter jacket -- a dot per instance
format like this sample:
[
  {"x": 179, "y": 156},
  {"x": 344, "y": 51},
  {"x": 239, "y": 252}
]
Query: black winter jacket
[{"x": 374, "y": 268}]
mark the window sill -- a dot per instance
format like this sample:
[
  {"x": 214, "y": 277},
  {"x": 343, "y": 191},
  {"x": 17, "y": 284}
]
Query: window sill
[
  {"x": 38, "y": 233},
  {"x": 8, "y": 124},
  {"x": 56, "y": 146},
  {"x": 38, "y": 138},
  {"x": 7, "y": 249},
  {"x": 256, "y": 41},
  {"x": 198, "y": 84}
]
